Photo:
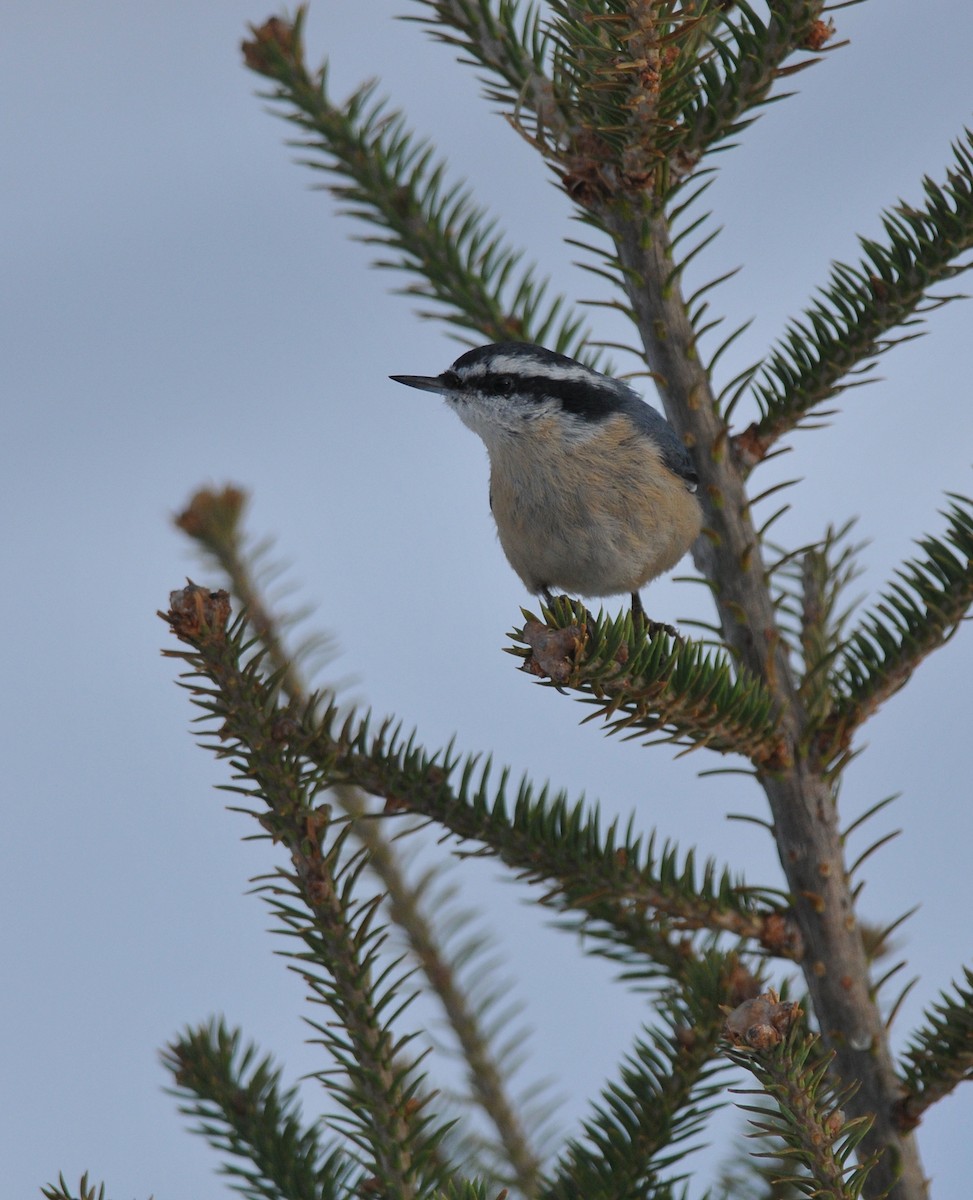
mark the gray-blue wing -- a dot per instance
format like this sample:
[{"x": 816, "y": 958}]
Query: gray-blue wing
[{"x": 674, "y": 454}]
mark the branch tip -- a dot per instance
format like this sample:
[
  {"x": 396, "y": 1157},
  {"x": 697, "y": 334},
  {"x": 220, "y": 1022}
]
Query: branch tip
[
  {"x": 762, "y": 1022},
  {"x": 213, "y": 517},
  {"x": 197, "y": 615},
  {"x": 276, "y": 39}
]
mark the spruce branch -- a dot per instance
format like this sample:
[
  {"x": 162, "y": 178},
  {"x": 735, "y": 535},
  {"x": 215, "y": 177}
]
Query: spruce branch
[
  {"x": 820, "y": 1144},
  {"x": 644, "y": 91},
  {"x": 940, "y": 1052},
  {"x": 745, "y": 59},
  {"x": 512, "y": 44},
  {"x": 837, "y": 341},
  {"x": 377, "y": 1089},
  {"x": 408, "y": 908},
  {"x": 813, "y": 612},
  {"x": 916, "y": 614},
  {"x": 644, "y": 682},
  {"x": 667, "y": 1087},
  {"x": 641, "y": 895},
  {"x": 651, "y": 88},
  {"x": 430, "y": 228},
  {"x": 802, "y": 799},
  {"x": 345, "y": 970},
  {"x": 214, "y": 521},
  {"x": 242, "y": 1112}
]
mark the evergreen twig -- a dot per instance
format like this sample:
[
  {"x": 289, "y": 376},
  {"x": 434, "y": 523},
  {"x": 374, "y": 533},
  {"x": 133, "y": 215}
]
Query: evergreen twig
[
  {"x": 745, "y": 60},
  {"x": 512, "y": 43},
  {"x": 63, "y": 1191},
  {"x": 666, "y": 1089},
  {"x": 213, "y": 520},
  {"x": 940, "y": 1053},
  {"x": 240, "y": 1109},
  {"x": 821, "y": 1153},
  {"x": 852, "y": 321},
  {"x": 916, "y": 614},
  {"x": 317, "y": 900},
  {"x": 613, "y": 881},
  {"x": 645, "y": 682},
  {"x": 431, "y": 228}
]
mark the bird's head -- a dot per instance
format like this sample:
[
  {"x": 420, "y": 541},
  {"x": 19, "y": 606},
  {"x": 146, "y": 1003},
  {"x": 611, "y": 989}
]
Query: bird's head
[{"x": 501, "y": 390}]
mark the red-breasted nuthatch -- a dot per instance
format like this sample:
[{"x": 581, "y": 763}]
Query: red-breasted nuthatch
[{"x": 591, "y": 489}]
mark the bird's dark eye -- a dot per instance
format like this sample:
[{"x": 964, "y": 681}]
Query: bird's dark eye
[{"x": 505, "y": 385}]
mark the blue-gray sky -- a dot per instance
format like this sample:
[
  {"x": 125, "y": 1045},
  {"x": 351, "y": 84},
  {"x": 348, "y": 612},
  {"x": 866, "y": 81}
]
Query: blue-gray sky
[{"x": 180, "y": 307}]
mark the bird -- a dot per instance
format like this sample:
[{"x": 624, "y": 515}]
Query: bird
[{"x": 591, "y": 489}]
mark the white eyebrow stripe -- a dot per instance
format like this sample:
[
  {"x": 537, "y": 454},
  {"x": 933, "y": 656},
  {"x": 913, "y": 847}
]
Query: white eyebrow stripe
[{"x": 536, "y": 368}]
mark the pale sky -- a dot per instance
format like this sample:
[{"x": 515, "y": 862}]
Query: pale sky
[{"x": 181, "y": 307}]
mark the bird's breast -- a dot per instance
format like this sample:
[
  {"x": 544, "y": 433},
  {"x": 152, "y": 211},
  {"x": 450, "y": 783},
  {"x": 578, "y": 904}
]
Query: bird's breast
[{"x": 596, "y": 513}]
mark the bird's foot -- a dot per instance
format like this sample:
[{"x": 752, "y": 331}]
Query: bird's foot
[{"x": 652, "y": 628}]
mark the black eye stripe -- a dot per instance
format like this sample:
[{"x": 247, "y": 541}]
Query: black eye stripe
[{"x": 582, "y": 397}]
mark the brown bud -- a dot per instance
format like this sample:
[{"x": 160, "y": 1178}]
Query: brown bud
[
  {"x": 751, "y": 446},
  {"x": 906, "y": 1114},
  {"x": 835, "y": 1122},
  {"x": 819, "y": 33},
  {"x": 284, "y": 729},
  {"x": 553, "y": 651},
  {"x": 762, "y": 1022},
  {"x": 196, "y": 613},
  {"x": 212, "y": 517},
  {"x": 781, "y": 936},
  {"x": 271, "y": 41}
]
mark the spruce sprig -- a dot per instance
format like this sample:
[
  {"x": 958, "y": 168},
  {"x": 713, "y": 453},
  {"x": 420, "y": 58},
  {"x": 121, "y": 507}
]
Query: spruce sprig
[
  {"x": 512, "y": 42},
  {"x": 916, "y": 614},
  {"x": 428, "y": 227},
  {"x": 377, "y": 1084},
  {"x": 852, "y": 322},
  {"x": 238, "y": 1105},
  {"x": 636, "y": 891},
  {"x": 644, "y": 681},
  {"x": 806, "y": 1116},
  {"x": 940, "y": 1052},
  {"x": 814, "y": 611},
  {"x": 667, "y": 1087},
  {"x": 744, "y": 58},
  {"x": 63, "y": 1191},
  {"x": 214, "y": 520}
]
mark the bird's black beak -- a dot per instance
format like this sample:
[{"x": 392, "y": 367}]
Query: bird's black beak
[{"x": 425, "y": 383}]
